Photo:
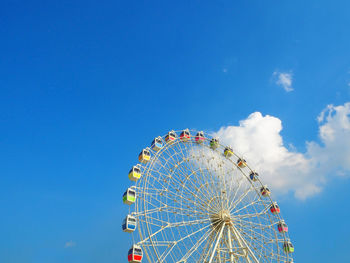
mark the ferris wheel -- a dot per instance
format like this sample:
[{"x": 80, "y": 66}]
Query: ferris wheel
[{"x": 195, "y": 200}]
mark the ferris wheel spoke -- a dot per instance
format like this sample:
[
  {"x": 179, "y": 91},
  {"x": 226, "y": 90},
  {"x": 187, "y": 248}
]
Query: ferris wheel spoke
[
  {"x": 184, "y": 174},
  {"x": 186, "y": 223},
  {"x": 252, "y": 214},
  {"x": 234, "y": 203},
  {"x": 196, "y": 246},
  {"x": 254, "y": 225},
  {"x": 179, "y": 182},
  {"x": 255, "y": 237},
  {"x": 207, "y": 193},
  {"x": 170, "y": 193},
  {"x": 188, "y": 236},
  {"x": 259, "y": 240},
  {"x": 233, "y": 199},
  {"x": 246, "y": 206}
]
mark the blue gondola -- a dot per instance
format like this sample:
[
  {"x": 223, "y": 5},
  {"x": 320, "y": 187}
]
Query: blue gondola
[
  {"x": 253, "y": 176},
  {"x": 157, "y": 144},
  {"x": 129, "y": 224}
]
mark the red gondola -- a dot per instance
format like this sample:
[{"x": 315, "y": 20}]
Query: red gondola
[
  {"x": 282, "y": 227},
  {"x": 274, "y": 208},
  {"x": 185, "y": 135},
  {"x": 135, "y": 254},
  {"x": 200, "y": 137}
]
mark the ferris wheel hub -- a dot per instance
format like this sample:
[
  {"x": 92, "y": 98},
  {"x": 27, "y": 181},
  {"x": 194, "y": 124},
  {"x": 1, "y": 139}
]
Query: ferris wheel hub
[{"x": 222, "y": 217}]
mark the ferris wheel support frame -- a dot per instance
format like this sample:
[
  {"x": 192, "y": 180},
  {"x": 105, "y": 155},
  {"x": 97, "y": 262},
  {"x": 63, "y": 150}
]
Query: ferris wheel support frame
[
  {"x": 232, "y": 259},
  {"x": 241, "y": 240},
  {"x": 217, "y": 243}
]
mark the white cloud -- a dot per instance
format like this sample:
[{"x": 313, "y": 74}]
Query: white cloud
[
  {"x": 285, "y": 170},
  {"x": 284, "y": 79},
  {"x": 70, "y": 244}
]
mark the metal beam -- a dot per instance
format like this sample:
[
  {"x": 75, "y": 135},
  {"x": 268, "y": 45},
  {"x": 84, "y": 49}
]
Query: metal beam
[{"x": 217, "y": 243}]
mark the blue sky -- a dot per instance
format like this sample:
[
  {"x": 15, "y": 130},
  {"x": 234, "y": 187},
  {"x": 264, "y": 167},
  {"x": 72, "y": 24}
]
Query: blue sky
[{"x": 86, "y": 85}]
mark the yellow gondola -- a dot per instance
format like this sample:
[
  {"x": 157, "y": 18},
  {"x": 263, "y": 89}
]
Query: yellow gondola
[
  {"x": 228, "y": 152},
  {"x": 135, "y": 173},
  {"x": 145, "y": 156},
  {"x": 288, "y": 247},
  {"x": 170, "y": 137}
]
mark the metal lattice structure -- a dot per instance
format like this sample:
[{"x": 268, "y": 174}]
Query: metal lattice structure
[{"x": 198, "y": 201}]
